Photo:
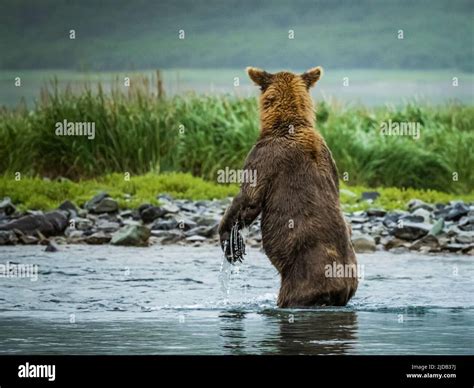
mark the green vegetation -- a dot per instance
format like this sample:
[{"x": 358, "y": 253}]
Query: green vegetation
[
  {"x": 143, "y": 34},
  {"x": 392, "y": 198},
  {"x": 45, "y": 194},
  {"x": 138, "y": 133},
  {"x": 444, "y": 146}
]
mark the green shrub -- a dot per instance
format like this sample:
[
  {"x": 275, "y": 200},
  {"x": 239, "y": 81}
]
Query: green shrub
[{"x": 138, "y": 133}]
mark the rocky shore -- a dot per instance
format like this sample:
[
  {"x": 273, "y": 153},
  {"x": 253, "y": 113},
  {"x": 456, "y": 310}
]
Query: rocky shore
[{"x": 420, "y": 227}]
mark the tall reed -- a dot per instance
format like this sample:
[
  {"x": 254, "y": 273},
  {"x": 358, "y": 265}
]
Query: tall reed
[{"x": 138, "y": 131}]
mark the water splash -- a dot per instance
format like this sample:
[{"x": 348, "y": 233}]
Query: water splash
[{"x": 226, "y": 273}]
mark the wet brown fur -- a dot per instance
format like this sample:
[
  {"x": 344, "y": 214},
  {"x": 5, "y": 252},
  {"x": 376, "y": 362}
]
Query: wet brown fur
[{"x": 297, "y": 192}]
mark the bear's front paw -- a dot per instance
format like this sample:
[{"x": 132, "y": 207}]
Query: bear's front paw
[{"x": 232, "y": 244}]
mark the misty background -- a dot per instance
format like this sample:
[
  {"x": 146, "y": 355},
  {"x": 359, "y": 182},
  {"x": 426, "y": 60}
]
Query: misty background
[{"x": 354, "y": 39}]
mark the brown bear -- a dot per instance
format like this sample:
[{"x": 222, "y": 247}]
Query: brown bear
[{"x": 304, "y": 232}]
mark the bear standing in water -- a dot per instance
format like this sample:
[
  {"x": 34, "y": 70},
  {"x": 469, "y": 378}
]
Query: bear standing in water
[{"x": 297, "y": 191}]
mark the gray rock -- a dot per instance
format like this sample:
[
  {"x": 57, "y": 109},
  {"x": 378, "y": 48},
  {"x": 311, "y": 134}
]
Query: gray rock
[
  {"x": 107, "y": 216},
  {"x": 466, "y": 223},
  {"x": 144, "y": 206},
  {"x": 165, "y": 224},
  {"x": 424, "y": 214},
  {"x": 377, "y": 230},
  {"x": 91, "y": 204},
  {"x": 203, "y": 203},
  {"x": 456, "y": 212},
  {"x": 416, "y": 204},
  {"x": 359, "y": 219},
  {"x": 437, "y": 228},
  {"x": 34, "y": 213},
  {"x": 8, "y": 237},
  {"x": 169, "y": 208},
  {"x": 430, "y": 243},
  {"x": 7, "y": 207},
  {"x": 81, "y": 223},
  {"x": 186, "y": 224},
  {"x": 454, "y": 247},
  {"x": 98, "y": 238},
  {"x": 168, "y": 236},
  {"x": 74, "y": 236},
  {"x": 195, "y": 238},
  {"x": 49, "y": 224},
  {"x": 182, "y": 224},
  {"x": 465, "y": 238},
  {"x": 188, "y": 207},
  {"x": 412, "y": 218},
  {"x": 131, "y": 235},
  {"x": 207, "y": 220},
  {"x": 151, "y": 213},
  {"x": 51, "y": 247},
  {"x": 390, "y": 220},
  {"x": 107, "y": 226},
  {"x": 410, "y": 230},
  {"x": 205, "y": 231},
  {"x": 468, "y": 250},
  {"x": 130, "y": 222},
  {"x": 452, "y": 231},
  {"x": 60, "y": 240},
  {"x": 363, "y": 243},
  {"x": 225, "y": 202},
  {"x": 391, "y": 242},
  {"x": 83, "y": 213},
  {"x": 443, "y": 240},
  {"x": 373, "y": 212},
  {"x": 28, "y": 239},
  {"x": 101, "y": 203},
  {"x": 69, "y": 207},
  {"x": 426, "y": 249},
  {"x": 107, "y": 205},
  {"x": 129, "y": 214}
]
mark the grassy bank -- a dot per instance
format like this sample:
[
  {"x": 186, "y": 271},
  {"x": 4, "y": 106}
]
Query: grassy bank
[
  {"x": 138, "y": 133},
  {"x": 45, "y": 194}
]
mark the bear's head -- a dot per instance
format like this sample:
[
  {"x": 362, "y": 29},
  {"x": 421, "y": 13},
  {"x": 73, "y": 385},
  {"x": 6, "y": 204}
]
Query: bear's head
[{"x": 285, "y": 99}]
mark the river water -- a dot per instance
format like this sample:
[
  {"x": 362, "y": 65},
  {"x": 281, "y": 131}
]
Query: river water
[{"x": 183, "y": 300}]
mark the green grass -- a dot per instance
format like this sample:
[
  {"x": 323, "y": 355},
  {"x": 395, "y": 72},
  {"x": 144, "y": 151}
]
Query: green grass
[
  {"x": 138, "y": 133},
  {"x": 427, "y": 163},
  {"x": 44, "y": 194},
  {"x": 393, "y": 198}
]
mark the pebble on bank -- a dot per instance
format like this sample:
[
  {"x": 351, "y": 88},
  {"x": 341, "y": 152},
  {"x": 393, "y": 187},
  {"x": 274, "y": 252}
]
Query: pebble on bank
[{"x": 421, "y": 227}]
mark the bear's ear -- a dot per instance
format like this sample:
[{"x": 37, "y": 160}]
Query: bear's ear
[
  {"x": 312, "y": 76},
  {"x": 260, "y": 77}
]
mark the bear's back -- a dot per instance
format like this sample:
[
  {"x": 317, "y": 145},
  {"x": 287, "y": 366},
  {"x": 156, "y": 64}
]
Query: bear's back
[{"x": 301, "y": 205}]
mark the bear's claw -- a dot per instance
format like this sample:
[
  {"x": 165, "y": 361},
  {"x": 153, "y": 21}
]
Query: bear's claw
[{"x": 234, "y": 247}]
